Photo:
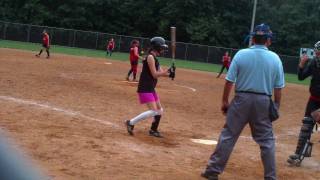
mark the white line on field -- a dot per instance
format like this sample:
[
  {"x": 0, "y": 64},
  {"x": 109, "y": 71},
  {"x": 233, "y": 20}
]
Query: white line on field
[
  {"x": 192, "y": 89},
  {"x": 55, "y": 108}
]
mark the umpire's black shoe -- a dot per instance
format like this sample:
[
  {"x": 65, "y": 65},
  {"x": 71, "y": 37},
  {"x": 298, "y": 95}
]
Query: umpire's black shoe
[
  {"x": 210, "y": 175},
  {"x": 155, "y": 133},
  {"x": 129, "y": 127}
]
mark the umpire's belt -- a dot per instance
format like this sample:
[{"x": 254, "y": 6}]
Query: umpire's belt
[{"x": 251, "y": 92}]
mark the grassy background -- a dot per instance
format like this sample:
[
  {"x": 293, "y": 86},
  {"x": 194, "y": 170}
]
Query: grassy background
[{"x": 290, "y": 78}]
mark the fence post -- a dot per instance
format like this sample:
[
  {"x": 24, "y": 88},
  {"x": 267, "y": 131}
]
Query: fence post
[
  {"x": 5, "y": 31},
  {"x": 208, "y": 54},
  {"x": 97, "y": 40},
  {"x": 74, "y": 37},
  {"x": 120, "y": 43},
  {"x": 28, "y": 36},
  {"x": 185, "y": 53}
]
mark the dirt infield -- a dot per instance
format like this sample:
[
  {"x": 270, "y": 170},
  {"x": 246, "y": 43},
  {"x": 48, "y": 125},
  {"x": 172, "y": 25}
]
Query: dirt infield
[{"x": 68, "y": 112}]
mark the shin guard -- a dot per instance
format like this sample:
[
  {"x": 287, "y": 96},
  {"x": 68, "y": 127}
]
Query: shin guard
[{"x": 304, "y": 146}]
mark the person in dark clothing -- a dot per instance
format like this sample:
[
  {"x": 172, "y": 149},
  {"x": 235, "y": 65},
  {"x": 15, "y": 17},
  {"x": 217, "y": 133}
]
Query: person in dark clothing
[
  {"x": 308, "y": 68},
  {"x": 151, "y": 71}
]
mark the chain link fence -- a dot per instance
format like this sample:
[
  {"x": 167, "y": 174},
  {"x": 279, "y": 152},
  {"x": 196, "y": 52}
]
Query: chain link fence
[{"x": 99, "y": 40}]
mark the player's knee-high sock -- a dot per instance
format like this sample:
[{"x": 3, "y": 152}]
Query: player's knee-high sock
[
  {"x": 40, "y": 52},
  {"x": 142, "y": 116},
  {"x": 48, "y": 53},
  {"x": 134, "y": 75},
  {"x": 129, "y": 73},
  {"x": 155, "y": 123}
]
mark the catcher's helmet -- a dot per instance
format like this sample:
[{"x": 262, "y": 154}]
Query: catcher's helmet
[
  {"x": 317, "y": 46},
  {"x": 158, "y": 43},
  {"x": 262, "y": 30}
]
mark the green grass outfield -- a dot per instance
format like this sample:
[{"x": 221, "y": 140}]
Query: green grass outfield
[{"x": 291, "y": 78}]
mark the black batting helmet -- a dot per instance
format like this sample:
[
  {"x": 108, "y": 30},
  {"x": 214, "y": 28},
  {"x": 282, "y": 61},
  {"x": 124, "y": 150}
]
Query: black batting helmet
[{"x": 158, "y": 43}]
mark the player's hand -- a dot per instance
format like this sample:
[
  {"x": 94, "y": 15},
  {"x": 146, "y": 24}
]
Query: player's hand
[
  {"x": 224, "y": 107},
  {"x": 303, "y": 60}
]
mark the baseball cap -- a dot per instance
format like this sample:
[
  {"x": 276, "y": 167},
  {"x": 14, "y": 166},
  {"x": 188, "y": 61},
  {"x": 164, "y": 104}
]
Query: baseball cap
[{"x": 262, "y": 30}]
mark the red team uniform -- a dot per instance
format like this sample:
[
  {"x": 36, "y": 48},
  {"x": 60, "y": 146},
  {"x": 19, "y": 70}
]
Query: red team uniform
[
  {"x": 110, "y": 47},
  {"x": 134, "y": 59},
  {"x": 45, "y": 44},
  {"x": 45, "y": 40},
  {"x": 226, "y": 61}
]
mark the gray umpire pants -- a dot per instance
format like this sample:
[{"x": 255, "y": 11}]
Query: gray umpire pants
[{"x": 253, "y": 109}]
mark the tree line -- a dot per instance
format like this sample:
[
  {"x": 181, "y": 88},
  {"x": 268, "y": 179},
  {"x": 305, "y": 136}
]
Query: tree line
[{"x": 295, "y": 23}]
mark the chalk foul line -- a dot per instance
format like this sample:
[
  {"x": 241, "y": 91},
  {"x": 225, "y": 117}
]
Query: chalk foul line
[
  {"x": 55, "y": 108},
  {"x": 192, "y": 89}
]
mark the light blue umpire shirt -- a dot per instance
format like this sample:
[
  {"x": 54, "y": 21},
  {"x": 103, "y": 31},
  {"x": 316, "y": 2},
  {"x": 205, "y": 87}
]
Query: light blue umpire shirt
[{"x": 256, "y": 69}]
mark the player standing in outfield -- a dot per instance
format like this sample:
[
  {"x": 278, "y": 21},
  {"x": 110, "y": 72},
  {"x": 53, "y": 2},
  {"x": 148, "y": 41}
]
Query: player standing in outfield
[
  {"x": 256, "y": 73},
  {"x": 306, "y": 69},
  {"x": 110, "y": 46},
  {"x": 134, "y": 59},
  {"x": 45, "y": 44},
  {"x": 226, "y": 61},
  {"x": 151, "y": 71}
]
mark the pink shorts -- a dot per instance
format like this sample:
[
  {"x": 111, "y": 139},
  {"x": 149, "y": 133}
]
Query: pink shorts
[{"x": 148, "y": 97}]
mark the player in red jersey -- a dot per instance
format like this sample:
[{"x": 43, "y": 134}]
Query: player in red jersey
[
  {"x": 134, "y": 59},
  {"x": 110, "y": 46},
  {"x": 226, "y": 61},
  {"x": 45, "y": 44}
]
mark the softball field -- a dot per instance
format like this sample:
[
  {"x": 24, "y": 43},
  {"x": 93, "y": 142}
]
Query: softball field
[{"x": 68, "y": 114}]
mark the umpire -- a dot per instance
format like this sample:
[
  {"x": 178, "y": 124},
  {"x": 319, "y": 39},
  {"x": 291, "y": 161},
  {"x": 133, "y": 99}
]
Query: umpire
[{"x": 256, "y": 73}]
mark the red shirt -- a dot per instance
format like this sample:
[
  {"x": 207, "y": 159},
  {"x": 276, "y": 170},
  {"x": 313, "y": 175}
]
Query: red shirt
[
  {"x": 110, "y": 45},
  {"x": 226, "y": 60},
  {"x": 45, "y": 39},
  {"x": 134, "y": 56}
]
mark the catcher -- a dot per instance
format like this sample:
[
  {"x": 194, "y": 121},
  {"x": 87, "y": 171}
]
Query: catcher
[
  {"x": 45, "y": 44},
  {"x": 308, "y": 67},
  {"x": 151, "y": 71}
]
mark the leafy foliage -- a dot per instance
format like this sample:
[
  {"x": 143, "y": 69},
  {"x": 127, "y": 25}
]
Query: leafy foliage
[{"x": 212, "y": 22}]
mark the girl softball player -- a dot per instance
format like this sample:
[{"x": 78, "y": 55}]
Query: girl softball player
[
  {"x": 134, "y": 59},
  {"x": 45, "y": 44},
  {"x": 151, "y": 71}
]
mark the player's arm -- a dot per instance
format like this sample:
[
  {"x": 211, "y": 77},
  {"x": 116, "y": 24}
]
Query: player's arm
[
  {"x": 279, "y": 84},
  {"x": 48, "y": 40},
  {"x": 304, "y": 69},
  {"x": 155, "y": 74},
  {"x": 136, "y": 53},
  {"x": 277, "y": 96},
  {"x": 225, "y": 97}
]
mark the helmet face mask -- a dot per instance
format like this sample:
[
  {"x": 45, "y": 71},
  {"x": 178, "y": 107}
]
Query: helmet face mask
[{"x": 317, "y": 46}]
